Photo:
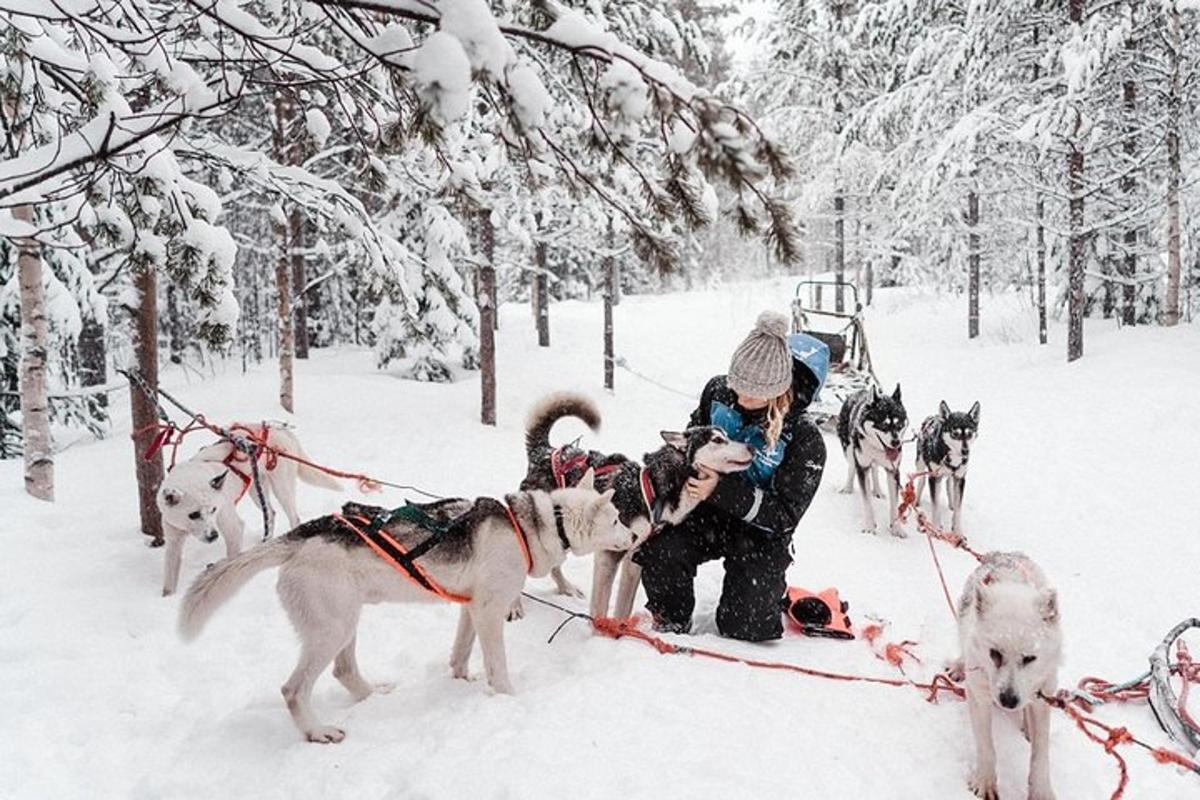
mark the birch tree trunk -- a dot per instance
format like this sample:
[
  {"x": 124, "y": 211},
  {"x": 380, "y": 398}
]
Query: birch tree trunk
[
  {"x": 485, "y": 297},
  {"x": 283, "y": 267},
  {"x": 1174, "y": 109},
  {"x": 1129, "y": 186},
  {"x": 145, "y": 417},
  {"x": 35, "y": 338},
  {"x": 610, "y": 292},
  {"x": 1076, "y": 254},
  {"x": 973, "y": 264},
  {"x": 1043, "y": 332}
]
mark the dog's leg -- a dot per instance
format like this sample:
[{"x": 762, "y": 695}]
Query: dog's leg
[
  {"x": 959, "y": 486},
  {"x": 983, "y": 779},
  {"x": 868, "y": 512},
  {"x": 564, "y": 586},
  {"x": 875, "y": 491},
  {"x": 604, "y": 573},
  {"x": 1039, "y": 756},
  {"x": 232, "y": 529},
  {"x": 464, "y": 639},
  {"x": 315, "y": 654},
  {"x": 919, "y": 486},
  {"x": 851, "y": 468},
  {"x": 283, "y": 485},
  {"x": 631, "y": 579},
  {"x": 894, "y": 524},
  {"x": 488, "y": 618},
  {"x": 345, "y": 669},
  {"x": 935, "y": 484},
  {"x": 173, "y": 559}
]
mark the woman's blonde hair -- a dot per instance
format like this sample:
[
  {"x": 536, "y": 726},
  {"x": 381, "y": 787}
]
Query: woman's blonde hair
[{"x": 777, "y": 409}]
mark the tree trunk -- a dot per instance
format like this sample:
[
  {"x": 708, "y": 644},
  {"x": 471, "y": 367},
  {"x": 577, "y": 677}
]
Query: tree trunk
[
  {"x": 839, "y": 252},
  {"x": 541, "y": 295},
  {"x": 973, "y": 264},
  {"x": 1174, "y": 110},
  {"x": 1043, "y": 333},
  {"x": 485, "y": 297},
  {"x": 299, "y": 281},
  {"x": 1129, "y": 186},
  {"x": 1076, "y": 253},
  {"x": 145, "y": 414},
  {"x": 610, "y": 292},
  {"x": 283, "y": 266},
  {"x": 870, "y": 287},
  {"x": 35, "y": 341},
  {"x": 1076, "y": 256}
]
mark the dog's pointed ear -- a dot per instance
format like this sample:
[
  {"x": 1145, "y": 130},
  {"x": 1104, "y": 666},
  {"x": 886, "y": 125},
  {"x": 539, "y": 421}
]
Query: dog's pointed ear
[
  {"x": 896, "y": 394},
  {"x": 875, "y": 393},
  {"x": 606, "y": 497},
  {"x": 171, "y": 497},
  {"x": 588, "y": 481},
  {"x": 1048, "y": 605},
  {"x": 981, "y": 601},
  {"x": 674, "y": 438},
  {"x": 219, "y": 481},
  {"x": 943, "y": 410},
  {"x": 974, "y": 412}
]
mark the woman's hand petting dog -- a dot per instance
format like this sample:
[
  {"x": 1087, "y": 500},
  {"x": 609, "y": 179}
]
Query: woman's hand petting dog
[{"x": 704, "y": 485}]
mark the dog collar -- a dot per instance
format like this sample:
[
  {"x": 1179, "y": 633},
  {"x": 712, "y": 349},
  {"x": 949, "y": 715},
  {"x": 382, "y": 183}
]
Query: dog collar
[
  {"x": 561, "y": 528},
  {"x": 650, "y": 497}
]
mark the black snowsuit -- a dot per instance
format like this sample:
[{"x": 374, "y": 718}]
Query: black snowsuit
[{"x": 750, "y": 527}]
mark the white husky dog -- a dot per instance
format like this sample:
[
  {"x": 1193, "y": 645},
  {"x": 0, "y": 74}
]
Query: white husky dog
[
  {"x": 1011, "y": 648},
  {"x": 199, "y": 497},
  {"x": 327, "y": 572}
]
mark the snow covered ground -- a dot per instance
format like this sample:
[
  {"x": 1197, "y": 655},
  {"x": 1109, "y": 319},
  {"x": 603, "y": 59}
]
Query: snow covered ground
[{"x": 1091, "y": 468}]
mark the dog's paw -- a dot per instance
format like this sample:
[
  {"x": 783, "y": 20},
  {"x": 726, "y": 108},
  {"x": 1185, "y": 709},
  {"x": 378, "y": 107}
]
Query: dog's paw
[
  {"x": 897, "y": 530},
  {"x": 877, "y": 494},
  {"x": 985, "y": 786},
  {"x": 1041, "y": 793},
  {"x": 168, "y": 592},
  {"x": 326, "y": 734},
  {"x": 384, "y": 688},
  {"x": 516, "y": 611},
  {"x": 846, "y": 490},
  {"x": 870, "y": 529},
  {"x": 459, "y": 672},
  {"x": 956, "y": 671}
]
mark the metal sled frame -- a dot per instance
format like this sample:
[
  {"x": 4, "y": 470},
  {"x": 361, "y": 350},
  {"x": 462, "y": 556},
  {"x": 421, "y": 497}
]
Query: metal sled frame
[
  {"x": 850, "y": 367},
  {"x": 1163, "y": 700}
]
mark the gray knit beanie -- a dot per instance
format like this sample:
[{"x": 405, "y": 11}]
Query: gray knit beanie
[{"x": 762, "y": 364}]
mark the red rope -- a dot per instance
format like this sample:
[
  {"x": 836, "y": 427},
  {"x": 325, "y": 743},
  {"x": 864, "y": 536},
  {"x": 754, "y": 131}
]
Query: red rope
[{"x": 618, "y": 628}]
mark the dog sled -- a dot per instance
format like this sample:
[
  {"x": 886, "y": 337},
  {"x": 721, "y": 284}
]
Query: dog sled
[{"x": 844, "y": 333}]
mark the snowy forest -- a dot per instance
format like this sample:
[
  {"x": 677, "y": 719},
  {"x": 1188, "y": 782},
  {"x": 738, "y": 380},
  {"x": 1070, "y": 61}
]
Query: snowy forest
[
  {"x": 255, "y": 180},
  {"x": 504, "y": 249}
]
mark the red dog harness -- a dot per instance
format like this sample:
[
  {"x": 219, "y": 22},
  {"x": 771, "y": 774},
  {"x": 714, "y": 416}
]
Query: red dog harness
[{"x": 267, "y": 457}]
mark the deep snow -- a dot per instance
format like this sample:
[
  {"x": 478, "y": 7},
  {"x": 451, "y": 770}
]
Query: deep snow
[{"x": 1090, "y": 468}]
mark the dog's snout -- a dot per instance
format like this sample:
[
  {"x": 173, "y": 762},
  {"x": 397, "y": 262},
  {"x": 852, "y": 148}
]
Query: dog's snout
[{"x": 1009, "y": 699}]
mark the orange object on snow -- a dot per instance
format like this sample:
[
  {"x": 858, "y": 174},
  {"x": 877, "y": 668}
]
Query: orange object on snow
[{"x": 818, "y": 614}]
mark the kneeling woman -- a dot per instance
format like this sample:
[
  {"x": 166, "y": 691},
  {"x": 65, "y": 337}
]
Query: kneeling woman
[{"x": 747, "y": 518}]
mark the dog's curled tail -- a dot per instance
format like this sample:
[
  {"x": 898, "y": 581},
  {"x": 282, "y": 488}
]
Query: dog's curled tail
[
  {"x": 222, "y": 581},
  {"x": 549, "y": 410}
]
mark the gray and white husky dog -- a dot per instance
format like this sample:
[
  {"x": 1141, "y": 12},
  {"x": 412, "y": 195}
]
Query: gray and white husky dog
[
  {"x": 1011, "y": 641},
  {"x": 199, "y": 497},
  {"x": 327, "y": 573},
  {"x": 667, "y": 470},
  {"x": 943, "y": 450},
  {"x": 871, "y": 429}
]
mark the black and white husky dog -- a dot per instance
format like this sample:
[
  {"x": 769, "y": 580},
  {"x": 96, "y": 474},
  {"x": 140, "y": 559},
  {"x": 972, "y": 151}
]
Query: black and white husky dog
[
  {"x": 645, "y": 496},
  {"x": 871, "y": 429},
  {"x": 943, "y": 450}
]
